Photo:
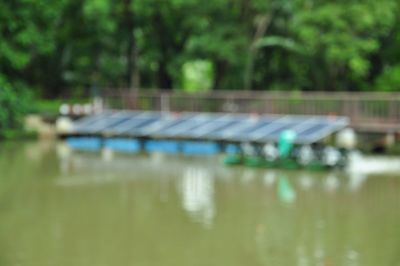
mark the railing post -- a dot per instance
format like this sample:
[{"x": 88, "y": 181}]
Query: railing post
[
  {"x": 165, "y": 103},
  {"x": 355, "y": 109},
  {"x": 392, "y": 111}
]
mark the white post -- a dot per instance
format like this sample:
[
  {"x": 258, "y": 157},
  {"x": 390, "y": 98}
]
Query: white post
[{"x": 165, "y": 107}]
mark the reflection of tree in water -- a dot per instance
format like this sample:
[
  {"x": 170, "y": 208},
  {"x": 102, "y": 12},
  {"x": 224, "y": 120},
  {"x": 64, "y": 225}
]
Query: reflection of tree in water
[{"x": 197, "y": 189}]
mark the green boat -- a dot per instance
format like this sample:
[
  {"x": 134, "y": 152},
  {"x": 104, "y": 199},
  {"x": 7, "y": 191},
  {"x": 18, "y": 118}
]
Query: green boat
[
  {"x": 254, "y": 161},
  {"x": 288, "y": 163},
  {"x": 233, "y": 159}
]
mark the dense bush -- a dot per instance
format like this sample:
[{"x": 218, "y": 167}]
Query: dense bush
[
  {"x": 389, "y": 80},
  {"x": 15, "y": 102}
]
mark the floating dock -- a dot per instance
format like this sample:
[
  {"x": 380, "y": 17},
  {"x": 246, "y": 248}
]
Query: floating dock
[{"x": 198, "y": 133}]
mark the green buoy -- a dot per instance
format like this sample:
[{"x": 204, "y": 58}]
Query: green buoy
[{"x": 285, "y": 147}]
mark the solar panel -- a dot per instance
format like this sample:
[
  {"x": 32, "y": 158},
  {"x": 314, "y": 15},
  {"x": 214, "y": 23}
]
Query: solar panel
[
  {"x": 163, "y": 124},
  {"x": 214, "y": 127},
  {"x": 135, "y": 122},
  {"x": 253, "y": 131},
  {"x": 110, "y": 122},
  {"x": 185, "y": 126},
  {"x": 323, "y": 131},
  {"x": 83, "y": 123},
  {"x": 204, "y": 126},
  {"x": 269, "y": 129},
  {"x": 207, "y": 126},
  {"x": 311, "y": 130},
  {"x": 289, "y": 123},
  {"x": 101, "y": 122},
  {"x": 137, "y": 130},
  {"x": 242, "y": 124}
]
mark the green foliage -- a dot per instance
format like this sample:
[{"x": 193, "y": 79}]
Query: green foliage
[
  {"x": 389, "y": 80},
  {"x": 15, "y": 102},
  {"x": 282, "y": 42},
  {"x": 70, "y": 46},
  {"x": 339, "y": 38},
  {"x": 197, "y": 75}
]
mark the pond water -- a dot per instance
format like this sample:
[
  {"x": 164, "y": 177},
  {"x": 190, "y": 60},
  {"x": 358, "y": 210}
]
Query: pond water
[{"x": 59, "y": 207}]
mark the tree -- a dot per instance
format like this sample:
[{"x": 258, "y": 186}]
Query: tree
[
  {"x": 69, "y": 46},
  {"x": 339, "y": 37}
]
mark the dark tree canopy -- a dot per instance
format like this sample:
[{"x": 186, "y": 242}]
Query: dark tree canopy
[{"x": 68, "y": 46}]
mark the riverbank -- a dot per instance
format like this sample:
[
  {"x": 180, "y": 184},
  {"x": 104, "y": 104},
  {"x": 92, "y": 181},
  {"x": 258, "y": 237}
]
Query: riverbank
[{"x": 42, "y": 127}]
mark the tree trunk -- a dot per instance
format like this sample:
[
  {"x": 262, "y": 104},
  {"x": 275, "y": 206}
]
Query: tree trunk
[
  {"x": 164, "y": 79},
  {"x": 132, "y": 72},
  {"x": 133, "y": 78},
  {"x": 262, "y": 27},
  {"x": 219, "y": 72},
  {"x": 165, "y": 46}
]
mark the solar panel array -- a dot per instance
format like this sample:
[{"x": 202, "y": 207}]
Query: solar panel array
[{"x": 208, "y": 126}]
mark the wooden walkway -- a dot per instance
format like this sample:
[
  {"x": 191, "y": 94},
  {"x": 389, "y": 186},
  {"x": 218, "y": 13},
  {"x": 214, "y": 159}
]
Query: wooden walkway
[{"x": 368, "y": 112}]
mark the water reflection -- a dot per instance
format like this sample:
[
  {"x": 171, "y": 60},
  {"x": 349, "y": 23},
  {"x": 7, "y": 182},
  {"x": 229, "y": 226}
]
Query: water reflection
[
  {"x": 286, "y": 192},
  {"x": 156, "y": 210},
  {"x": 356, "y": 180},
  {"x": 306, "y": 181},
  {"x": 64, "y": 153},
  {"x": 248, "y": 175},
  {"x": 197, "y": 182},
  {"x": 197, "y": 190},
  {"x": 331, "y": 182},
  {"x": 269, "y": 178},
  {"x": 36, "y": 151}
]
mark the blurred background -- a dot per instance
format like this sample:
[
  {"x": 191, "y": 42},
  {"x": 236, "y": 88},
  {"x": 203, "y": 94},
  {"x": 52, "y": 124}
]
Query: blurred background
[
  {"x": 65, "y": 47},
  {"x": 310, "y": 57},
  {"x": 75, "y": 49}
]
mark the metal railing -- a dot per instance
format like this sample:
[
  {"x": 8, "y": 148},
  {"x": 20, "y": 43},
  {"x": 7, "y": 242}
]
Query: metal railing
[{"x": 375, "y": 112}]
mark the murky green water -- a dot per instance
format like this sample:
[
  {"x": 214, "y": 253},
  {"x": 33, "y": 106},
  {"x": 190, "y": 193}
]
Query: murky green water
[{"x": 58, "y": 208}]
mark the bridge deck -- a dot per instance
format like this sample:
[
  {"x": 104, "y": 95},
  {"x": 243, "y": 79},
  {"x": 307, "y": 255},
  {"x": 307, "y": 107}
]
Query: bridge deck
[{"x": 368, "y": 111}]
